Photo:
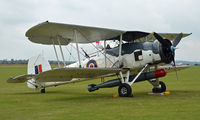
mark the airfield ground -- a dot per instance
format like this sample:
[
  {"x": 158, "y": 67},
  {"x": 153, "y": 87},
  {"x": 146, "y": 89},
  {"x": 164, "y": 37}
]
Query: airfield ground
[{"x": 74, "y": 102}]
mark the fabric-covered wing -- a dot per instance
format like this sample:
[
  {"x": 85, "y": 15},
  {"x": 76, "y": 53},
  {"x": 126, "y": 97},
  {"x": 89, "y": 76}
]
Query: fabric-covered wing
[
  {"x": 20, "y": 79},
  {"x": 49, "y": 32},
  {"x": 173, "y": 69},
  {"x": 67, "y": 74},
  {"x": 139, "y": 36},
  {"x": 169, "y": 36},
  {"x": 131, "y": 36}
]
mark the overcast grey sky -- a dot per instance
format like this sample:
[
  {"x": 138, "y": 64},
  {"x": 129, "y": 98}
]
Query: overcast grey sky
[{"x": 17, "y": 16}]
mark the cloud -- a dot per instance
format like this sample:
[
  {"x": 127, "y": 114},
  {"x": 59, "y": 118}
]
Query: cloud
[{"x": 17, "y": 16}]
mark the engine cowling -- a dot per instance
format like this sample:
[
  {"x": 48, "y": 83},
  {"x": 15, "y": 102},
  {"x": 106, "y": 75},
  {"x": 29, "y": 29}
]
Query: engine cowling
[{"x": 166, "y": 54}]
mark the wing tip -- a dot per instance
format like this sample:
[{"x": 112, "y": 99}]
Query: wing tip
[{"x": 10, "y": 79}]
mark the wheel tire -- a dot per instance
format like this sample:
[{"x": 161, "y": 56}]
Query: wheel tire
[
  {"x": 43, "y": 90},
  {"x": 161, "y": 89},
  {"x": 125, "y": 90}
]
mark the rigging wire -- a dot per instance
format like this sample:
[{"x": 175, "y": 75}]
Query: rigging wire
[
  {"x": 70, "y": 54},
  {"x": 94, "y": 47},
  {"x": 79, "y": 50}
]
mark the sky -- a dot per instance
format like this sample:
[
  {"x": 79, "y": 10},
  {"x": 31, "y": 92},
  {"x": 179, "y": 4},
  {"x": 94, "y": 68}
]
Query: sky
[{"x": 166, "y": 16}]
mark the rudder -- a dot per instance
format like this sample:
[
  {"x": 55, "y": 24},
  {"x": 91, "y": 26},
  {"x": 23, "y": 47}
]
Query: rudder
[{"x": 36, "y": 65}]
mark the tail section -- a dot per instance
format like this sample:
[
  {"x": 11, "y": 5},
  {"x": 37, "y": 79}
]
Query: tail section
[{"x": 36, "y": 65}]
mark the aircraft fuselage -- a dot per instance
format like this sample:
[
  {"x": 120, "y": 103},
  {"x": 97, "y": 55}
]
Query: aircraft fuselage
[{"x": 134, "y": 55}]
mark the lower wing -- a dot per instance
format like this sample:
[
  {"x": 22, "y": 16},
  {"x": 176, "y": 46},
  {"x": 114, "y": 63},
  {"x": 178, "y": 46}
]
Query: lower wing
[
  {"x": 172, "y": 68},
  {"x": 67, "y": 74}
]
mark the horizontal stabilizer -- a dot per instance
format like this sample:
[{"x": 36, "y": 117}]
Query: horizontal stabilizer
[{"x": 20, "y": 79}]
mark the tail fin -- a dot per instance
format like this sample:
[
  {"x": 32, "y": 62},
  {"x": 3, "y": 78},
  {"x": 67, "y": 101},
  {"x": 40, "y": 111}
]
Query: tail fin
[{"x": 38, "y": 64}]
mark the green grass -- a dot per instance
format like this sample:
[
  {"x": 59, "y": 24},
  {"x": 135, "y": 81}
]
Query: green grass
[{"x": 74, "y": 102}]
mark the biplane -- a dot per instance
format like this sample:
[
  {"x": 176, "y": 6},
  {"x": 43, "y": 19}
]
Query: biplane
[{"x": 139, "y": 56}]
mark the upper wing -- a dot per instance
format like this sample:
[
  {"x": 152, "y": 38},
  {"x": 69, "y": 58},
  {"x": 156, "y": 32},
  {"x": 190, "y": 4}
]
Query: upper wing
[
  {"x": 139, "y": 36},
  {"x": 49, "y": 32},
  {"x": 169, "y": 36}
]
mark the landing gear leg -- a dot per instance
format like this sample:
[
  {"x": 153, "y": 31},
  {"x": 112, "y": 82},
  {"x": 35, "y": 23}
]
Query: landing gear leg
[
  {"x": 161, "y": 88},
  {"x": 125, "y": 89},
  {"x": 158, "y": 86},
  {"x": 42, "y": 90}
]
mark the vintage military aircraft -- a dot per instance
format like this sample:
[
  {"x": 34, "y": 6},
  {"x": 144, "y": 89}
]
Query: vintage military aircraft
[{"x": 135, "y": 59}]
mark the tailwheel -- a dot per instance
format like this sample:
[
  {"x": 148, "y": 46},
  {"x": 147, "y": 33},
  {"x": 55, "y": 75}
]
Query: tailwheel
[
  {"x": 160, "y": 89},
  {"x": 42, "y": 90},
  {"x": 125, "y": 90}
]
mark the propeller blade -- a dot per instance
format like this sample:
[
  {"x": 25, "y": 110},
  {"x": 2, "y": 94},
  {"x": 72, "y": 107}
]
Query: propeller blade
[
  {"x": 164, "y": 42},
  {"x": 157, "y": 36},
  {"x": 177, "y": 40}
]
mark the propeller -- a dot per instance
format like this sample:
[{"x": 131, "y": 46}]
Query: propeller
[
  {"x": 169, "y": 48},
  {"x": 164, "y": 42},
  {"x": 177, "y": 40}
]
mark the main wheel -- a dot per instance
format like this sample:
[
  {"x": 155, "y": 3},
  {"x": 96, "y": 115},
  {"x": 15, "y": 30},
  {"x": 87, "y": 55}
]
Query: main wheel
[
  {"x": 161, "y": 89},
  {"x": 42, "y": 90},
  {"x": 125, "y": 90}
]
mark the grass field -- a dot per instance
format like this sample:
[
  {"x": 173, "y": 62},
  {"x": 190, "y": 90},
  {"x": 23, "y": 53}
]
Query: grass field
[{"x": 74, "y": 102}]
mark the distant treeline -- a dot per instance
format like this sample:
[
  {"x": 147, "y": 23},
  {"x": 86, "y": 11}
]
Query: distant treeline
[
  {"x": 13, "y": 61},
  {"x": 61, "y": 62},
  {"x": 181, "y": 62}
]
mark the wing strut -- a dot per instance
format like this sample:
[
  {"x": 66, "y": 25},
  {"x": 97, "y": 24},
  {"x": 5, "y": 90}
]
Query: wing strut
[
  {"x": 105, "y": 52},
  {"x": 58, "y": 39},
  {"x": 93, "y": 46},
  {"x": 56, "y": 53},
  {"x": 77, "y": 48},
  {"x": 120, "y": 49}
]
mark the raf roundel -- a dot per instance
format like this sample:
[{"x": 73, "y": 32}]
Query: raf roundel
[{"x": 91, "y": 64}]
